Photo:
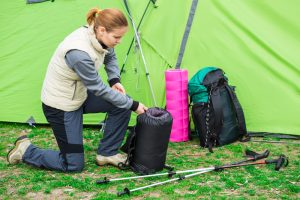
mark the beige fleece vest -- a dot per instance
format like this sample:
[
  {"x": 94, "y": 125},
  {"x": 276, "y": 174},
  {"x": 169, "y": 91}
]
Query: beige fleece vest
[{"x": 62, "y": 88}]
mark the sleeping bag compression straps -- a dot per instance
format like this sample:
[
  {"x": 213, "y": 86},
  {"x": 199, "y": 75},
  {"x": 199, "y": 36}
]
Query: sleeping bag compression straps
[{"x": 186, "y": 33}]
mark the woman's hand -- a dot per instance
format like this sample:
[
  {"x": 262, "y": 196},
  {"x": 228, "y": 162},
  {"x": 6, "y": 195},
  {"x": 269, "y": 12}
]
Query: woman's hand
[
  {"x": 141, "y": 109},
  {"x": 119, "y": 87}
]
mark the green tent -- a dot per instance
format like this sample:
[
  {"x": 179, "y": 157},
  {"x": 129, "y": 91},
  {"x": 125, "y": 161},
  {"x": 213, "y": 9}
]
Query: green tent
[{"x": 255, "y": 42}]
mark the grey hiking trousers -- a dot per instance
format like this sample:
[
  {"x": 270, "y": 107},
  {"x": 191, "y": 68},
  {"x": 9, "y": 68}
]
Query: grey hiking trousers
[{"x": 67, "y": 128}]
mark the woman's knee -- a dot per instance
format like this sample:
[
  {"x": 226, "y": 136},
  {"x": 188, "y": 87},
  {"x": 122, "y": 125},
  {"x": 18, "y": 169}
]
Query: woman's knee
[
  {"x": 75, "y": 163},
  {"x": 75, "y": 168}
]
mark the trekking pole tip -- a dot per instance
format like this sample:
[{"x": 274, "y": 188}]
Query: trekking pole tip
[
  {"x": 125, "y": 191},
  {"x": 105, "y": 180}
]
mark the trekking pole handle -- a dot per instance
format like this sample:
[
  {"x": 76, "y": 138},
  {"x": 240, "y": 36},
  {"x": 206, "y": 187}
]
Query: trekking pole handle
[
  {"x": 253, "y": 156},
  {"x": 125, "y": 191},
  {"x": 261, "y": 156},
  {"x": 281, "y": 161},
  {"x": 105, "y": 180}
]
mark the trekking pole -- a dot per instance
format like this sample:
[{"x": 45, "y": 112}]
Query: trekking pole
[
  {"x": 254, "y": 156},
  {"x": 169, "y": 174},
  {"x": 141, "y": 50},
  {"x": 127, "y": 191},
  {"x": 281, "y": 161}
]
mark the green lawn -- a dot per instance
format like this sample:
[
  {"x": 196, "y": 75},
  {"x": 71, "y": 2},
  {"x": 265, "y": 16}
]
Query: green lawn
[{"x": 252, "y": 182}]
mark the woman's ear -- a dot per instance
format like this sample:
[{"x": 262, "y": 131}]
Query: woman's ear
[{"x": 101, "y": 29}]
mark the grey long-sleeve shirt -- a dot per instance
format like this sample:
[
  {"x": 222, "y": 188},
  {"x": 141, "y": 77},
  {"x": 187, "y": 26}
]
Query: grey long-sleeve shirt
[{"x": 82, "y": 64}]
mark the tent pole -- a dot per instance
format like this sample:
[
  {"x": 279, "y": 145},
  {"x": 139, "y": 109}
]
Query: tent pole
[
  {"x": 131, "y": 43},
  {"x": 128, "y": 51},
  {"x": 141, "y": 50}
]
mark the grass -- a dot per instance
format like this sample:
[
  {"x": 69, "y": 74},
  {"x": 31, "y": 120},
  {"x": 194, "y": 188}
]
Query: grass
[{"x": 252, "y": 182}]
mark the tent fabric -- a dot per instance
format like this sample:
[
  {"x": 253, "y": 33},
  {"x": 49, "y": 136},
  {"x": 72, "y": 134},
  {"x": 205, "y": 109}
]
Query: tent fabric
[{"x": 255, "y": 42}]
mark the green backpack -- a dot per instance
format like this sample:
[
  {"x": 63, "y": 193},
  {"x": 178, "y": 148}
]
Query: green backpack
[{"x": 216, "y": 111}]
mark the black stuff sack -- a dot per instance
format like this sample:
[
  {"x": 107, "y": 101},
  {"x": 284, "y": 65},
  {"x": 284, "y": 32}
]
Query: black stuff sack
[{"x": 147, "y": 142}]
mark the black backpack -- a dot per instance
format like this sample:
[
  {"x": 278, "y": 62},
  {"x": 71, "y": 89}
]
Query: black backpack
[{"x": 216, "y": 111}]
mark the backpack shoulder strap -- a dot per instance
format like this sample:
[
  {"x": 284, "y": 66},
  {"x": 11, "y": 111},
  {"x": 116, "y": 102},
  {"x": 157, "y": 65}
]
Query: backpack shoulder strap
[
  {"x": 212, "y": 81},
  {"x": 216, "y": 102},
  {"x": 238, "y": 110}
]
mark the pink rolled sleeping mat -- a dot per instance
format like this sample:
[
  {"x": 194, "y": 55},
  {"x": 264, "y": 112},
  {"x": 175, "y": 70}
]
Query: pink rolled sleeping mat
[{"x": 177, "y": 103}]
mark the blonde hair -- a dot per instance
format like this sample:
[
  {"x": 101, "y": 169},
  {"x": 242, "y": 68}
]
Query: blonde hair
[{"x": 109, "y": 18}]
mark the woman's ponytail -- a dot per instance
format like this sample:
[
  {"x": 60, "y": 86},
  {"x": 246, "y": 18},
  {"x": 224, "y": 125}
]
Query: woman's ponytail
[
  {"x": 109, "y": 18},
  {"x": 91, "y": 16}
]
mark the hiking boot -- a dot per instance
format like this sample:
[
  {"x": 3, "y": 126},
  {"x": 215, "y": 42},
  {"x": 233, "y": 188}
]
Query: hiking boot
[
  {"x": 15, "y": 155},
  {"x": 113, "y": 160}
]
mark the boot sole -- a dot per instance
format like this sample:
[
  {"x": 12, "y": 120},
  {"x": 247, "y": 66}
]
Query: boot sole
[
  {"x": 106, "y": 162},
  {"x": 13, "y": 150},
  {"x": 99, "y": 163}
]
